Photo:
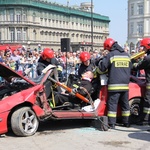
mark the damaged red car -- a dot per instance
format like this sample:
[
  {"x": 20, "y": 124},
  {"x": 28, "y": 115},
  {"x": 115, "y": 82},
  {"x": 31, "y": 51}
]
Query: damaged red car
[{"x": 25, "y": 102}]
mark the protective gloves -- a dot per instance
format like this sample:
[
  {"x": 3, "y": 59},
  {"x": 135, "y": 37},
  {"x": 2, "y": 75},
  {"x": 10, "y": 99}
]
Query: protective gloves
[
  {"x": 97, "y": 60},
  {"x": 134, "y": 65}
]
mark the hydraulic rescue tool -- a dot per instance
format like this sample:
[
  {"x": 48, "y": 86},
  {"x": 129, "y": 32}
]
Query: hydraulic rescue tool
[
  {"x": 70, "y": 90},
  {"x": 136, "y": 56}
]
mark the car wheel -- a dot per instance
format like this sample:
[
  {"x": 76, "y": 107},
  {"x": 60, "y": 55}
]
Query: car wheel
[
  {"x": 24, "y": 122},
  {"x": 135, "y": 110}
]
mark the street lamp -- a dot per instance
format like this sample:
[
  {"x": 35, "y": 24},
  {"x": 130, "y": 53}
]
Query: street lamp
[{"x": 92, "y": 25}]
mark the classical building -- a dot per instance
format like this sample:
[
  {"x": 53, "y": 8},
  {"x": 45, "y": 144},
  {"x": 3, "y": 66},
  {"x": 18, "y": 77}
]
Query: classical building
[
  {"x": 138, "y": 21},
  {"x": 41, "y": 23}
]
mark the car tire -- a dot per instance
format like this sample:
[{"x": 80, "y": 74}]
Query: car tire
[
  {"x": 24, "y": 122},
  {"x": 135, "y": 110}
]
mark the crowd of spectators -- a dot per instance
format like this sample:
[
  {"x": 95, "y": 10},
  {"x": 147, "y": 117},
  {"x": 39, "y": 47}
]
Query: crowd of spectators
[{"x": 20, "y": 59}]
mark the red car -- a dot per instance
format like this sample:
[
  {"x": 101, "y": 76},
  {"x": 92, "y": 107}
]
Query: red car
[{"x": 24, "y": 103}]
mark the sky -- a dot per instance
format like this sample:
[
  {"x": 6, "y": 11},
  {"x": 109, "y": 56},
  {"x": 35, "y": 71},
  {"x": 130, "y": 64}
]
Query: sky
[{"x": 116, "y": 10}]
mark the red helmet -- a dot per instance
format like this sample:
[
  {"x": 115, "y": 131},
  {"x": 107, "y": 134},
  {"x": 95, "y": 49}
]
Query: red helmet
[
  {"x": 145, "y": 43},
  {"x": 47, "y": 53},
  {"x": 108, "y": 43},
  {"x": 84, "y": 56}
]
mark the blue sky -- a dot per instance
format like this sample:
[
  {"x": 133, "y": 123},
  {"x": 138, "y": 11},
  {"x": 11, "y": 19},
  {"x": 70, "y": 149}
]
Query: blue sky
[{"x": 116, "y": 10}]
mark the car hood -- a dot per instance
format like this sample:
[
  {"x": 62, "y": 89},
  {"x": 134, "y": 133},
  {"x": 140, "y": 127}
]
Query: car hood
[{"x": 7, "y": 72}]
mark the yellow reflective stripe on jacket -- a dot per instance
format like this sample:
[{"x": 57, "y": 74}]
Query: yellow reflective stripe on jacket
[
  {"x": 120, "y": 61},
  {"x": 111, "y": 114},
  {"x": 100, "y": 72},
  {"x": 120, "y": 58},
  {"x": 60, "y": 68},
  {"x": 125, "y": 113},
  {"x": 148, "y": 86},
  {"x": 118, "y": 87},
  {"x": 146, "y": 110},
  {"x": 75, "y": 86}
]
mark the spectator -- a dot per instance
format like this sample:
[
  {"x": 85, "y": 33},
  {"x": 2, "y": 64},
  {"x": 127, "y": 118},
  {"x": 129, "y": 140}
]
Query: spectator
[
  {"x": 16, "y": 59},
  {"x": 132, "y": 52},
  {"x": 7, "y": 57},
  {"x": 2, "y": 56}
]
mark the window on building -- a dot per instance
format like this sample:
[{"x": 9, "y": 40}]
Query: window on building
[
  {"x": 45, "y": 22},
  {"x": 34, "y": 17},
  {"x": 132, "y": 28},
  {"x": 19, "y": 34},
  {"x": 24, "y": 35},
  {"x": 64, "y": 24},
  {"x": 34, "y": 35},
  {"x": 18, "y": 17},
  {"x": 12, "y": 34},
  {"x": 41, "y": 21},
  {"x": 24, "y": 17},
  {"x": 49, "y": 22},
  {"x": 132, "y": 10},
  {"x": 140, "y": 9},
  {"x": 140, "y": 28},
  {"x": 11, "y": 15},
  {"x": 0, "y": 37},
  {"x": 3, "y": 15},
  {"x": 54, "y": 16},
  {"x": 73, "y": 34}
]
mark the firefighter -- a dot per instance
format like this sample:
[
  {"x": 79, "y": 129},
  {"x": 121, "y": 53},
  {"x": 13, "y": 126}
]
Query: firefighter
[
  {"x": 46, "y": 58},
  {"x": 145, "y": 64},
  {"x": 86, "y": 63},
  {"x": 117, "y": 63},
  {"x": 89, "y": 65}
]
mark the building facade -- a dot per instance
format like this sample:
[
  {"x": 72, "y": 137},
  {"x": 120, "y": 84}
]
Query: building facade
[
  {"x": 138, "y": 22},
  {"x": 38, "y": 23}
]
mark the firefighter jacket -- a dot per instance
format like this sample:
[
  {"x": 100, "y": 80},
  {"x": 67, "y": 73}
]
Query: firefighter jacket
[
  {"x": 144, "y": 64},
  {"x": 118, "y": 64},
  {"x": 83, "y": 68},
  {"x": 43, "y": 63}
]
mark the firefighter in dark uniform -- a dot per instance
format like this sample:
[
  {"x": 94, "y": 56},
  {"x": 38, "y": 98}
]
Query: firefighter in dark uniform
[
  {"x": 145, "y": 64},
  {"x": 46, "y": 58},
  {"x": 117, "y": 63},
  {"x": 89, "y": 65},
  {"x": 86, "y": 63}
]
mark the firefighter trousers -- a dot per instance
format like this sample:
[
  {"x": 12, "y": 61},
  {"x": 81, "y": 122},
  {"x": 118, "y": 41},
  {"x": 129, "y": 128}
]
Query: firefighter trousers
[
  {"x": 146, "y": 107},
  {"x": 113, "y": 99}
]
